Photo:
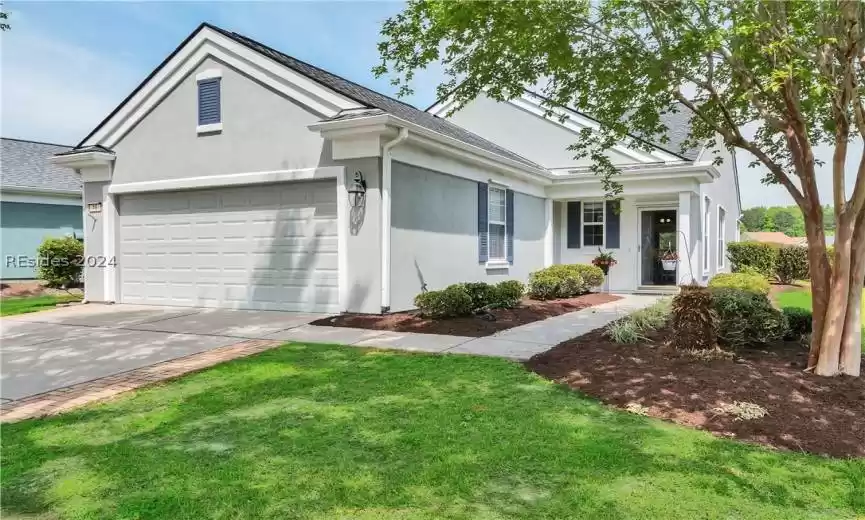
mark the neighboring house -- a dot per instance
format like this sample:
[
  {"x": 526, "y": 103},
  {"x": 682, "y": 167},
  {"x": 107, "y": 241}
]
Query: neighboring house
[
  {"x": 777, "y": 237},
  {"x": 237, "y": 176},
  {"x": 671, "y": 198},
  {"x": 37, "y": 200}
]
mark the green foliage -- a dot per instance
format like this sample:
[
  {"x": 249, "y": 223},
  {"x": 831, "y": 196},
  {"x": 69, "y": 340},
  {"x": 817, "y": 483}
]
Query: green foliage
[
  {"x": 747, "y": 318},
  {"x": 756, "y": 255},
  {"x": 481, "y": 293},
  {"x": 753, "y": 219},
  {"x": 509, "y": 293},
  {"x": 60, "y": 261},
  {"x": 564, "y": 281},
  {"x": 695, "y": 323},
  {"x": 799, "y": 321},
  {"x": 624, "y": 331},
  {"x": 452, "y": 301},
  {"x": 743, "y": 281},
  {"x": 792, "y": 264}
]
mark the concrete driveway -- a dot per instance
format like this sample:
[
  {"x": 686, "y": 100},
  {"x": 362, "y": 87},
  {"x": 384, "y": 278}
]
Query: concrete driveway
[{"x": 54, "y": 349}]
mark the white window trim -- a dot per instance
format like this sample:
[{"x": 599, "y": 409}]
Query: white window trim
[
  {"x": 707, "y": 232},
  {"x": 503, "y": 261},
  {"x": 721, "y": 243},
  {"x": 204, "y": 76},
  {"x": 208, "y": 74},
  {"x": 603, "y": 224}
]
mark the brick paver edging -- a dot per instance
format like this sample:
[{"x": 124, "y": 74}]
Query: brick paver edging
[{"x": 67, "y": 398}]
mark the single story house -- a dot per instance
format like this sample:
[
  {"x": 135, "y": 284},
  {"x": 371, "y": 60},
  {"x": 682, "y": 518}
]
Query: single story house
[
  {"x": 237, "y": 176},
  {"x": 38, "y": 199}
]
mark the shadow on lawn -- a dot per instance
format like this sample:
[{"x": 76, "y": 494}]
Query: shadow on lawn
[{"x": 327, "y": 432}]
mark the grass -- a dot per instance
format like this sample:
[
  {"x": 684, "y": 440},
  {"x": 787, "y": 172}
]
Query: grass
[
  {"x": 801, "y": 297},
  {"x": 324, "y": 432},
  {"x": 21, "y": 305}
]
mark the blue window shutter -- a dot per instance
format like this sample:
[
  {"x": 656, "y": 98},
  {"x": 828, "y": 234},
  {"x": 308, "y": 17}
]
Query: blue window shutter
[
  {"x": 483, "y": 223},
  {"x": 613, "y": 224},
  {"x": 209, "y": 101},
  {"x": 574, "y": 225},
  {"x": 509, "y": 225}
]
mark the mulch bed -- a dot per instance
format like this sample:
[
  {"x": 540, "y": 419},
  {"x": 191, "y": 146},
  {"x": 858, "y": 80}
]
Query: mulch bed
[
  {"x": 805, "y": 412},
  {"x": 476, "y": 326}
]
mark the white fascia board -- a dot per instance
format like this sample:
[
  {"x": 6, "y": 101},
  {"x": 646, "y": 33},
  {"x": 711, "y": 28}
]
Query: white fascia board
[
  {"x": 631, "y": 188},
  {"x": 442, "y": 107},
  {"x": 40, "y": 196},
  {"x": 234, "y": 179},
  {"x": 83, "y": 160},
  {"x": 208, "y": 43},
  {"x": 432, "y": 139}
]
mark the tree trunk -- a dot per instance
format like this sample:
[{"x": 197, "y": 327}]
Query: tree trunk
[
  {"x": 820, "y": 278},
  {"x": 851, "y": 342},
  {"x": 828, "y": 363}
]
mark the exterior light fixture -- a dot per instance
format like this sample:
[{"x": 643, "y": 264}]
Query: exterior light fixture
[{"x": 357, "y": 190}]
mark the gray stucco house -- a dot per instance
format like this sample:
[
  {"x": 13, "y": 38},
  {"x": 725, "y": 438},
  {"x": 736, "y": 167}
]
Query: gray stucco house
[
  {"x": 37, "y": 200},
  {"x": 237, "y": 176}
]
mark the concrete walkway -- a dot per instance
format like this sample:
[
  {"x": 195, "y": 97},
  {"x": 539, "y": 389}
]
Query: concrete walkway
[{"x": 519, "y": 343}]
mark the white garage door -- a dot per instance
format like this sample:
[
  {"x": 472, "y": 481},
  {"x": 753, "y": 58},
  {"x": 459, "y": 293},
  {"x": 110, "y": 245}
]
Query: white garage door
[{"x": 271, "y": 247}]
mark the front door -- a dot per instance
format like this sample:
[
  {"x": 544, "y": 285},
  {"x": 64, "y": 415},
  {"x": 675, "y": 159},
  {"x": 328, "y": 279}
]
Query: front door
[{"x": 657, "y": 236}]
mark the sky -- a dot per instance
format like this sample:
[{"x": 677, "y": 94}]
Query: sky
[{"x": 65, "y": 65}]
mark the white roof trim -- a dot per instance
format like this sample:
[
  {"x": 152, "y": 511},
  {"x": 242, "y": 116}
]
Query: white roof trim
[
  {"x": 234, "y": 179},
  {"x": 83, "y": 159},
  {"x": 209, "y": 43}
]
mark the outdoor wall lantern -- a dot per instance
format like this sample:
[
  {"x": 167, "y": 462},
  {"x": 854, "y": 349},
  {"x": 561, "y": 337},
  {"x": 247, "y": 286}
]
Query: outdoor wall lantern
[{"x": 357, "y": 190}]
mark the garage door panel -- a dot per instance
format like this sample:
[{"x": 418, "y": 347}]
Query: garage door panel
[{"x": 258, "y": 247}]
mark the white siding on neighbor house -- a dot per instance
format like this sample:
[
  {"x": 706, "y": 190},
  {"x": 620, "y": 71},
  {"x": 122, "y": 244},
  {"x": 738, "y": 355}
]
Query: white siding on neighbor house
[
  {"x": 435, "y": 234},
  {"x": 261, "y": 131},
  {"x": 268, "y": 247},
  {"x": 534, "y": 137}
]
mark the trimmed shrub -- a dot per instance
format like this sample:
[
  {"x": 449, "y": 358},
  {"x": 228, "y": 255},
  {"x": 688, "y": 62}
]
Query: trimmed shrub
[
  {"x": 543, "y": 286},
  {"x": 756, "y": 255},
  {"x": 592, "y": 275},
  {"x": 508, "y": 293},
  {"x": 452, "y": 301},
  {"x": 746, "y": 317},
  {"x": 481, "y": 293},
  {"x": 743, "y": 281},
  {"x": 60, "y": 261},
  {"x": 792, "y": 264},
  {"x": 695, "y": 323},
  {"x": 798, "y": 321}
]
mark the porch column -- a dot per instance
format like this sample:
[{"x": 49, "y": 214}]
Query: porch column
[
  {"x": 549, "y": 250},
  {"x": 685, "y": 243}
]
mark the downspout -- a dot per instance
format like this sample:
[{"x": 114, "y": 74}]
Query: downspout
[{"x": 385, "y": 216}]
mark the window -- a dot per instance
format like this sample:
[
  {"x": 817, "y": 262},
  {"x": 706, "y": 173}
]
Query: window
[
  {"x": 497, "y": 228},
  {"x": 722, "y": 236},
  {"x": 707, "y": 218},
  {"x": 593, "y": 224}
]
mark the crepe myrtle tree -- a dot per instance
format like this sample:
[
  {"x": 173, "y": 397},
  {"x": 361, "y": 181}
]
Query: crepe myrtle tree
[{"x": 794, "y": 70}]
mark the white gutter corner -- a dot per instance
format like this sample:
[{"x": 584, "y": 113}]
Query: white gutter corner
[{"x": 385, "y": 216}]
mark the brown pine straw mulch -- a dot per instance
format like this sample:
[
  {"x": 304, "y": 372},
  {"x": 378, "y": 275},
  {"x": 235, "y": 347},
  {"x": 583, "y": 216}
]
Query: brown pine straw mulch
[
  {"x": 805, "y": 412},
  {"x": 475, "y": 326}
]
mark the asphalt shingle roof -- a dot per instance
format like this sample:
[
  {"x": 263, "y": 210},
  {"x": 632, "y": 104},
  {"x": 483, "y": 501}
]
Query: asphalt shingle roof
[
  {"x": 372, "y": 99},
  {"x": 27, "y": 164}
]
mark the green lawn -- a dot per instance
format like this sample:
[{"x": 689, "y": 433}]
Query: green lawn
[
  {"x": 25, "y": 304},
  {"x": 802, "y": 298},
  {"x": 325, "y": 432}
]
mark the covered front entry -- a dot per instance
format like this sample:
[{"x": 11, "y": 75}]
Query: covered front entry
[
  {"x": 658, "y": 241},
  {"x": 269, "y": 247}
]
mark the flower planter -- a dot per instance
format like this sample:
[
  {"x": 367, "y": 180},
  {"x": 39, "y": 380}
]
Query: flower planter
[{"x": 669, "y": 265}]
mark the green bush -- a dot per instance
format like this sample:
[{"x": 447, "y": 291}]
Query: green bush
[
  {"x": 543, "y": 286},
  {"x": 570, "y": 280},
  {"x": 624, "y": 331},
  {"x": 799, "y": 321},
  {"x": 633, "y": 328},
  {"x": 481, "y": 293},
  {"x": 792, "y": 264},
  {"x": 592, "y": 275},
  {"x": 695, "y": 324},
  {"x": 452, "y": 301},
  {"x": 743, "y": 281},
  {"x": 756, "y": 255},
  {"x": 746, "y": 317},
  {"x": 509, "y": 293},
  {"x": 60, "y": 261}
]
